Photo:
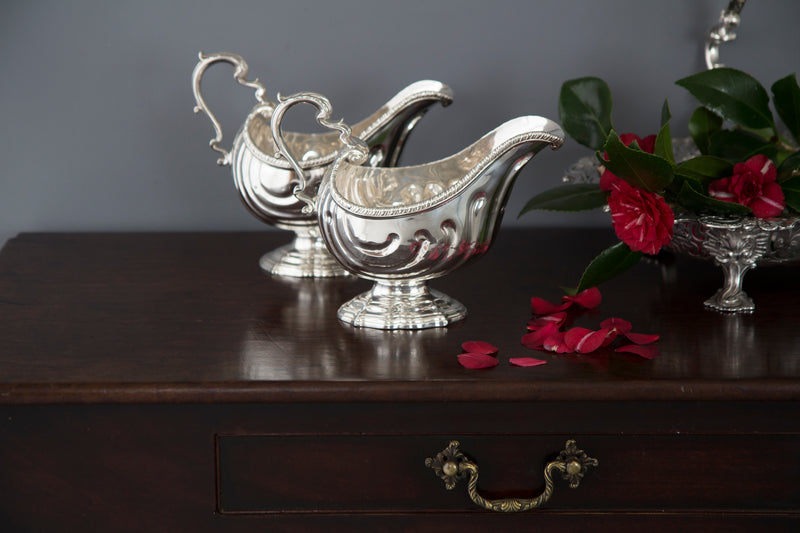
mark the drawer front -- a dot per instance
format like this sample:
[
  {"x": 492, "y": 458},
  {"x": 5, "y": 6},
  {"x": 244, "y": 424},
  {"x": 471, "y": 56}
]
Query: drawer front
[
  {"x": 385, "y": 473},
  {"x": 255, "y": 468}
]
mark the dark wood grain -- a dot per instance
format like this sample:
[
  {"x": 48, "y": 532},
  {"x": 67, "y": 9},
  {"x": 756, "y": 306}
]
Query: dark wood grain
[
  {"x": 161, "y": 382},
  {"x": 190, "y": 318}
]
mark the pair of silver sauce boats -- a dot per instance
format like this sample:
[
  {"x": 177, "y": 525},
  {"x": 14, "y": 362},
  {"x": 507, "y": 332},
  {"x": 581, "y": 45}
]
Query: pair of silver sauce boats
[{"x": 354, "y": 211}]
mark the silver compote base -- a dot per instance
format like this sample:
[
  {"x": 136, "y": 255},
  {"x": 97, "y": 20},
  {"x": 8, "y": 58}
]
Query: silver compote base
[
  {"x": 737, "y": 244},
  {"x": 406, "y": 304},
  {"x": 305, "y": 257}
]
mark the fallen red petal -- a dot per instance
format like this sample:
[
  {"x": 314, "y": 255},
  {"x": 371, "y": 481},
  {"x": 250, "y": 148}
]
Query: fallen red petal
[
  {"x": 617, "y": 324},
  {"x": 475, "y": 361},
  {"x": 541, "y": 321},
  {"x": 584, "y": 340},
  {"x": 641, "y": 338},
  {"x": 536, "y": 339},
  {"x": 479, "y": 347},
  {"x": 526, "y": 361},
  {"x": 540, "y": 306},
  {"x": 555, "y": 343},
  {"x": 648, "y": 352},
  {"x": 611, "y": 334},
  {"x": 590, "y": 298}
]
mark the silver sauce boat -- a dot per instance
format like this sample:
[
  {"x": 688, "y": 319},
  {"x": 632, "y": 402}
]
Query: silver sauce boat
[
  {"x": 267, "y": 184},
  {"x": 403, "y": 226}
]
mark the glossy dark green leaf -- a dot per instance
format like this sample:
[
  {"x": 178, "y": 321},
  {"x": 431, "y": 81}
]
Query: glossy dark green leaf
[
  {"x": 705, "y": 168},
  {"x": 786, "y": 95},
  {"x": 693, "y": 198},
  {"x": 663, "y": 146},
  {"x": 572, "y": 197},
  {"x": 789, "y": 167},
  {"x": 666, "y": 114},
  {"x": 702, "y": 124},
  {"x": 791, "y": 193},
  {"x": 733, "y": 95},
  {"x": 584, "y": 110},
  {"x": 739, "y": 145},
  {"x": 640, "y": 169},
  {"x": 608, "y": 264}
]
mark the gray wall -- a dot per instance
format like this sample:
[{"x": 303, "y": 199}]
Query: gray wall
[{"x": 98, "y": 132}]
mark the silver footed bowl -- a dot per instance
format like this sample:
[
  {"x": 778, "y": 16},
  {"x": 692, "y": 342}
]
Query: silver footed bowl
[
  {"x": 737, "y": 244},
  {"x": 267, "y": 184},
  {"x": 403, "y": 226}
]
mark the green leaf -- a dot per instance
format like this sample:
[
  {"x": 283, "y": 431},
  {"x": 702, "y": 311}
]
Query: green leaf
[
  {"x": 663, "y": 146},
  {"x": 608, "y": 264},
  {"x": 692, "y": 198},
  {"x": 573, "y": 197},
  {"x": 789, "y": 167},
  {"x": 733, "y": 95},
  {"x": 584, "y": 109},
  {"x": 702, "y": 125},
  {"x": 791, "y": 193},
  {"x": 666, "y": 114},
  {"x": 739, "y": 145},
  {"x": 640, "y": 169},
  {"x": 702, "y": 170},
  {"x": 786, "y": 95}
]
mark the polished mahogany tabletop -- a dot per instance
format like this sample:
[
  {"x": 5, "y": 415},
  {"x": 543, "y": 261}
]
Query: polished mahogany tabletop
[{"x": 189, "y": 317}]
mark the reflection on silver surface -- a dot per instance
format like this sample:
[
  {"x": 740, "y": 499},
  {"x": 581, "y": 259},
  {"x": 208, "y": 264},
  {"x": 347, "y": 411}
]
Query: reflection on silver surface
[
  {"x": 267, "y": 183},
  {"x": 403, "y": 226}
]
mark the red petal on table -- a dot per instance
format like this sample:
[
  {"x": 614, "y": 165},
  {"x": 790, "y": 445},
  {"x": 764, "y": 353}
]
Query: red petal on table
[
  {"x": 641, "y": 338},
  {"x": 590, "y": 298},
  {"x": 611, "y": 334},
  {"x": 555, "y": 343},
  {"x": 541, "y": 321},
  {"x": 619, "y": 325},
  {"x": 648, "y": 352},
  {"x": 474, "y": 361},
  {"x": 479, "y": 347},
  {"x": 540, "y": 306},
  {"x": 584, "y": 340},
  {"x": 535, "y": 339},
  {"x": 526, "y": 361}
]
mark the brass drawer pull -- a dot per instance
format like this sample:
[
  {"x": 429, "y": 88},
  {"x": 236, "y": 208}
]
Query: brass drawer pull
[{"x": 452, "y": 466}]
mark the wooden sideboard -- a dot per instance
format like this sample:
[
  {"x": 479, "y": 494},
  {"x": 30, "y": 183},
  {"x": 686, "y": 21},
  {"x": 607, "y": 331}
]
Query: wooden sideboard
[{"x": 161, "y": 382}]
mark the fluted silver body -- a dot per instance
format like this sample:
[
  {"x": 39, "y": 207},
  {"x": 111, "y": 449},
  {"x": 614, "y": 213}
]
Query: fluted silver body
[
  {"x": 267, "y": 184},
  {"x": 403, "y": 226}
]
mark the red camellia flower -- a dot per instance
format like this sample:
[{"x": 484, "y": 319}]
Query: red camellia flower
[
  {"x": 641, "y": 219},
  {"x": 752, "y": 184}
]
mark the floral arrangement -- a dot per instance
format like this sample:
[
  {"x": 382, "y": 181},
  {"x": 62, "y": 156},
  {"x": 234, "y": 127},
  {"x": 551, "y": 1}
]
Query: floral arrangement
[{"x": 743, "y": 164}]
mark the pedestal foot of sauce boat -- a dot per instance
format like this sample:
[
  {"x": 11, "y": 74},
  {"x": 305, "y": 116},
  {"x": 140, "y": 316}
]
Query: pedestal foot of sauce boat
[
  {"x": 305, "y": 257},
  {"x": 402, "y": 305}
]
